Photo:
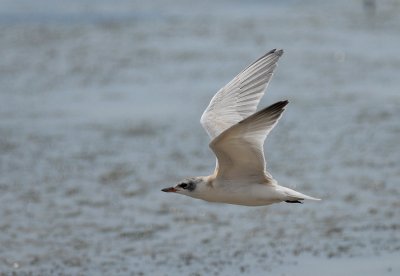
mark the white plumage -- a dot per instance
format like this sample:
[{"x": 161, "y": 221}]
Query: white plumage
[{"x": 238, "y": 134}]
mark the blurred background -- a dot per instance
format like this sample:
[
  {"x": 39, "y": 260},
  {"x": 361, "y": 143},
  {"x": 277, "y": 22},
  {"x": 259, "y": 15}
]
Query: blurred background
[{"x": 100, "y": 104}]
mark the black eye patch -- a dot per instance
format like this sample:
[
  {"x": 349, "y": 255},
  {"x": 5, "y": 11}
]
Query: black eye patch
[
  {"x": 183, "y": 185},
  {"x": 188, "y": 185}
]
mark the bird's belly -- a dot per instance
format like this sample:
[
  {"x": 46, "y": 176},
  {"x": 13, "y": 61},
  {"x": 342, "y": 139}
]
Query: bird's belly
[{"x": 249, "y": 195}]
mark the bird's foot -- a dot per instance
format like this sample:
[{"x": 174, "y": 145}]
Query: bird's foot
[{"x": 293, "y": 201}]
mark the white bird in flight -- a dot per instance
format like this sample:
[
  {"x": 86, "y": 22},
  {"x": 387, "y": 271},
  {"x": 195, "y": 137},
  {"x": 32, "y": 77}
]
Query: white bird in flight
[{"x": 237, "y": 135}]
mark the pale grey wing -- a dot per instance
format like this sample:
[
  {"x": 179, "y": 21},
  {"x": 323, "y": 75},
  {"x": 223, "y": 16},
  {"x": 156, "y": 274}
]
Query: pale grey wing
[
  {"x": 240, "y": 97},
  {"x": 239, "y": 149}
]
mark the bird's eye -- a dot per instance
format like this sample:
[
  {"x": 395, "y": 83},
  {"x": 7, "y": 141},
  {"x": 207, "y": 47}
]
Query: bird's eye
[{"x": 183, "y": 185}]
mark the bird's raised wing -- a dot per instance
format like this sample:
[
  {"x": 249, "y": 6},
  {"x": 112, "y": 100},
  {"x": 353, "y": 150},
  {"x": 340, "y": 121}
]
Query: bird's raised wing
[
  {"x": 240, "y": 97},
  {"x": 239, "y": 149}
]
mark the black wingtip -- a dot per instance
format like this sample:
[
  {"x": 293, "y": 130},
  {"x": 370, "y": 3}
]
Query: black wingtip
[
  {"x": 280, "y": 104},
  {"x": 279, "y": 52},
  {"x": 274, "y": 109}
]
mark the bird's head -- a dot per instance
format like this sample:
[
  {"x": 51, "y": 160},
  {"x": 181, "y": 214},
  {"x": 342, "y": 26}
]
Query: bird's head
[{"x": 189, "y": 186}]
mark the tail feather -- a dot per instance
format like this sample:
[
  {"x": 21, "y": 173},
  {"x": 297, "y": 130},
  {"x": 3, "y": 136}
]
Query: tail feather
[{"x": 292, "y": 195}]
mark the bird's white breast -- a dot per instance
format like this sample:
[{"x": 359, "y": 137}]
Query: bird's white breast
[{"x": 242, "y": 193}]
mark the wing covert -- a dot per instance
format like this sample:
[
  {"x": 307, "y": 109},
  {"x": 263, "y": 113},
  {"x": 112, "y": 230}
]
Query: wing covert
[{"x": 239, "y": 149}]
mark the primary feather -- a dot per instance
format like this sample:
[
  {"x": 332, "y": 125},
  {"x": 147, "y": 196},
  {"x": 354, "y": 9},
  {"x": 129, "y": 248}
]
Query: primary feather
[{"x": 240, "y": 97}]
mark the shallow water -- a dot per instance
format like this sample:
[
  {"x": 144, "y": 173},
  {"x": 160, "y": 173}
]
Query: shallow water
[{"x": 94, "y": 97}]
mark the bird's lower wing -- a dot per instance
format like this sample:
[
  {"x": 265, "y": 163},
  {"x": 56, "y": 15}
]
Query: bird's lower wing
[{"x": 239, "y": 149}]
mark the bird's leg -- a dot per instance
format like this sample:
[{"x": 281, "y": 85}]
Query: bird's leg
[{"x": 293, "y": 201}]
